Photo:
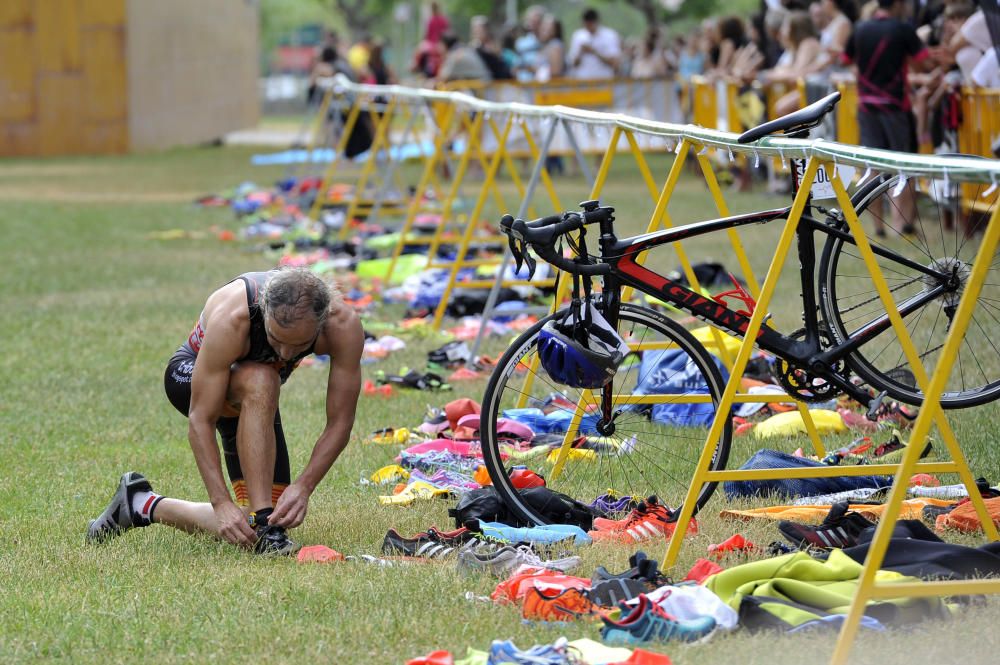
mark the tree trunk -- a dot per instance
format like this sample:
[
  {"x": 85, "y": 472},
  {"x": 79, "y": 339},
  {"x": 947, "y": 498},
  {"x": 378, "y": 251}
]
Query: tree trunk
[
  {"x": 648, "y": 8},
  {"x": 359, "y": 15}
]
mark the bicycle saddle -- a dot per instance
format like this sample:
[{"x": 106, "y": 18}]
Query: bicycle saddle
[{"x": 800, "y": 120}]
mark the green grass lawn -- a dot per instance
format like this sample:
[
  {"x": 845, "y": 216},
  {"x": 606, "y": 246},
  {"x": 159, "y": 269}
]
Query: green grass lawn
[{"x": 93, "y": 308}]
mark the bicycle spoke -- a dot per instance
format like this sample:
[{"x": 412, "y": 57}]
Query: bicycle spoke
[
  {"x": 641, "y": 456},
  {"x": 849, "y": 302},
  {"x": 909, "y": 330},
  {"x": 976, "y": 356},
  {"x": 881, "y": 267},
  {"x": 930, "y": 338}
]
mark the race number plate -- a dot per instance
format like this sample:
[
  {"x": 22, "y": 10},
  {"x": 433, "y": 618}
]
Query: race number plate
[{"x": 822, "y": 188}]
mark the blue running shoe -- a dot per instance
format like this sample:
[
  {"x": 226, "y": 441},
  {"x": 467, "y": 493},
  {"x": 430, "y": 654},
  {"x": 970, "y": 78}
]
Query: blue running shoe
[
  {"x": 503, "y": 652},
  {"x": 649, "y": 622},
  {"x": 546, "y": 533},
  {"x": 612, "y": 504}
]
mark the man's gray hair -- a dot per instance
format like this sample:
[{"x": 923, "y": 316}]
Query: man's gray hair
[{"x": 294, "y": 293}]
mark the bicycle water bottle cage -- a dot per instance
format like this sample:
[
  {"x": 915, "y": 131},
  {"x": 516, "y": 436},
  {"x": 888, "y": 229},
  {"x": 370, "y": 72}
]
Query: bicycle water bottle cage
[{"x": 739, "y": 293}]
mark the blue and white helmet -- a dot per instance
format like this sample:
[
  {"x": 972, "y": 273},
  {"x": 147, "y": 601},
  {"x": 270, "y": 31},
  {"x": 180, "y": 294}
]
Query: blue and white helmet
[{"x": 580, "y": 355}]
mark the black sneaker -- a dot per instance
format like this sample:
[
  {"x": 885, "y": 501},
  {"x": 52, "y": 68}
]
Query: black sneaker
[
  {"x": 427, "y": 544},
  {"x": 929, "y": 514},
  {"x": 118, "y": 517},
  {"x": 271, "y": 540},
  {"x": 610, "y": 589},
  {"x": 451, "y": 355},
  {"x": 437, "y": 544},
  {"x": 840, "y": 529}
]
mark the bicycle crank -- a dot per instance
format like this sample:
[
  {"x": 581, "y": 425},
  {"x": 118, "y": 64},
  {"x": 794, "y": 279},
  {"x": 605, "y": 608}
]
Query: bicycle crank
[{"x": 803, "y": 383}]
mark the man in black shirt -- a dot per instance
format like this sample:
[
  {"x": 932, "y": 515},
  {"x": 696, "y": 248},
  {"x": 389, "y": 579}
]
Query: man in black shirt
[{"x": 883, "y": 49}]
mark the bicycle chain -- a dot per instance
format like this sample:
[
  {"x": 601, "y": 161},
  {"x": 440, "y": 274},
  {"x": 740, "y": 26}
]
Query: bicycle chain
[{"x": 801, "y": 383}]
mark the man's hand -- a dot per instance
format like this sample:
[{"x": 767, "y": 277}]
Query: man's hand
[
  {"x": 233, "y": 525},
  {"x": 291, "y": 508}
]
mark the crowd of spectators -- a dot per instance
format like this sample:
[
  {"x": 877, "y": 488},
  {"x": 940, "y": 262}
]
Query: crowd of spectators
[
  {"x": 909, "y": 57},
  {"x": 785, "y": 40}
]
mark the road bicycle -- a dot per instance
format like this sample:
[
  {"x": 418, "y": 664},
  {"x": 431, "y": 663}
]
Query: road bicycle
[{"x": 617, "y": 440}]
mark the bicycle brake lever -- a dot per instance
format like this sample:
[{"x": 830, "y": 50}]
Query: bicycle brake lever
[
  {"x": 515, "y": 252},
  {"x": 530, "y": 262}
]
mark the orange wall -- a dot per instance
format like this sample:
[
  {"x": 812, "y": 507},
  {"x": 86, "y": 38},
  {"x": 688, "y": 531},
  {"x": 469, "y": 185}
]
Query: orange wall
[
  {"x": 62, "y": 77},
  {"x": 109, "y": 76}
]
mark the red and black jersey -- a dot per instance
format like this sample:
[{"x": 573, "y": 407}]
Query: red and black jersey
[
  {"x": 882, "y": 47},
  {"x": 260, "y": 350}
]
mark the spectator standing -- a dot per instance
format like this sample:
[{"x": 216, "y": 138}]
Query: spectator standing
[
  {"x": 594, "y": 50},
  {"x": 731, "y": 36},
  {"x": 771, "y": 48},
  {"x": 840, "y": 16},
  {"x": 552, "y": 57},
  {"x": 430, "y": 51},
  {"x": 508, "y": 51},
  {"x": 378, "y": 71},
  {"x": 528, "y": 44},
  {"x": 482, "y": 40},
  {"x": 801, "y": 58},
  {"x": 328, "y": 64},
  {"x": 975, "y": 53},
  {"x": 461, "y": 62},
  {"x": 357, "y": 55},
  {"x": 690, "y": 59},
  {"x": 883, "y": 48},
  {"x": 648, "y": 62},
  {"x": 437, "y": 24}
]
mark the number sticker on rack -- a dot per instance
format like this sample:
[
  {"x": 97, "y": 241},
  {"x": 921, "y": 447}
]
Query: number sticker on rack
[{"x": 822, "y": 187}]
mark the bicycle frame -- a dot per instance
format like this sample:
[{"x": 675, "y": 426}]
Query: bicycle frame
[{"x": 808, "y": 352}]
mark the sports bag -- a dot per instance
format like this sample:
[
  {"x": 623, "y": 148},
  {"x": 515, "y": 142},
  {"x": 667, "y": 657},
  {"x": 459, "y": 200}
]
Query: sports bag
[{"x": 557, "y": 508}]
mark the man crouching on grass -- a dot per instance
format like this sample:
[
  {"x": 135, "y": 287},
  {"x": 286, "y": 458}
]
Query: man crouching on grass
[{"x": 227, "y": 377}]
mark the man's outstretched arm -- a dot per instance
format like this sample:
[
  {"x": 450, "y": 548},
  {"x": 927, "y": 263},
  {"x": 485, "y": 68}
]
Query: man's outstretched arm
[
  {"x": 343, "y": 387},
  {"x": 209, "y": 384}
]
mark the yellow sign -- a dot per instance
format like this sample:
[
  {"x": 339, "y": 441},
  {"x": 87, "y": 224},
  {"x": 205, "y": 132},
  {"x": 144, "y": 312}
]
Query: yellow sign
[{"x": 579, "y": 98}]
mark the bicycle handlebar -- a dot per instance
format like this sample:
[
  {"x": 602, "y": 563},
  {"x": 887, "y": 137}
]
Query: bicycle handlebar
[{"x": 541, "y": 234}]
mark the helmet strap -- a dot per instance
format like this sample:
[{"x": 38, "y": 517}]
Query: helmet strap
[{"x": 582, "y": 287}]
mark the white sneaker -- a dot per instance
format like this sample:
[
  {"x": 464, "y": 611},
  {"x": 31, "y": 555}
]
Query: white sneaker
[{"x": 509, "y": 558}]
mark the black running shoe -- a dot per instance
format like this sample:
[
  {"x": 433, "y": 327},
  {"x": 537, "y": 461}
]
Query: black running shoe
[
  {"x": 430, "y": 544},
  {"x": 272, "y": 540},
  {"x": 929, "y": 514},
  {"x": 437, "y": 544},
  {"x": 840, "y": 529},
  {"x": 602, "y": 573},
  {"x": 118, "y": 517},
  {"x": 611, "y": 589}
]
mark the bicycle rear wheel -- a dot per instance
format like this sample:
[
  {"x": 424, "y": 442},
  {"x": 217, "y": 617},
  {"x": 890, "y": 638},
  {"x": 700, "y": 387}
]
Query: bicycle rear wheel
[
  {"x": 652, "y": 450},
  {"x": 940, "y": 236}
]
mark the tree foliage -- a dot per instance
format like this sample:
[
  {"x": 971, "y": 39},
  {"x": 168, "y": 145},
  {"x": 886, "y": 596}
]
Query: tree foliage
[
  {"x": 362, "y": 16},
  {"x": 660, "y": 11},
  {"x": 279, "y": 19}
]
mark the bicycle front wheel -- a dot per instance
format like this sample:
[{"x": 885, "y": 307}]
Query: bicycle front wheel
[
  {"x": 935, "y": 232},
  {"x": 646, "y": 449}
]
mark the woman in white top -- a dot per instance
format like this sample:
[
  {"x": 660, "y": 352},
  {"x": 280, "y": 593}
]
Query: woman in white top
[
  {"x": 840, "y": 16},
  {"x": 648, "y": 61},
  {"x": 552, "y": 56}
]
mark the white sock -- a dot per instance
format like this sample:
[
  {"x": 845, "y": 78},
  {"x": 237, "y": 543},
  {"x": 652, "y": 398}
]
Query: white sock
[{"x": 143, "y": 504}]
